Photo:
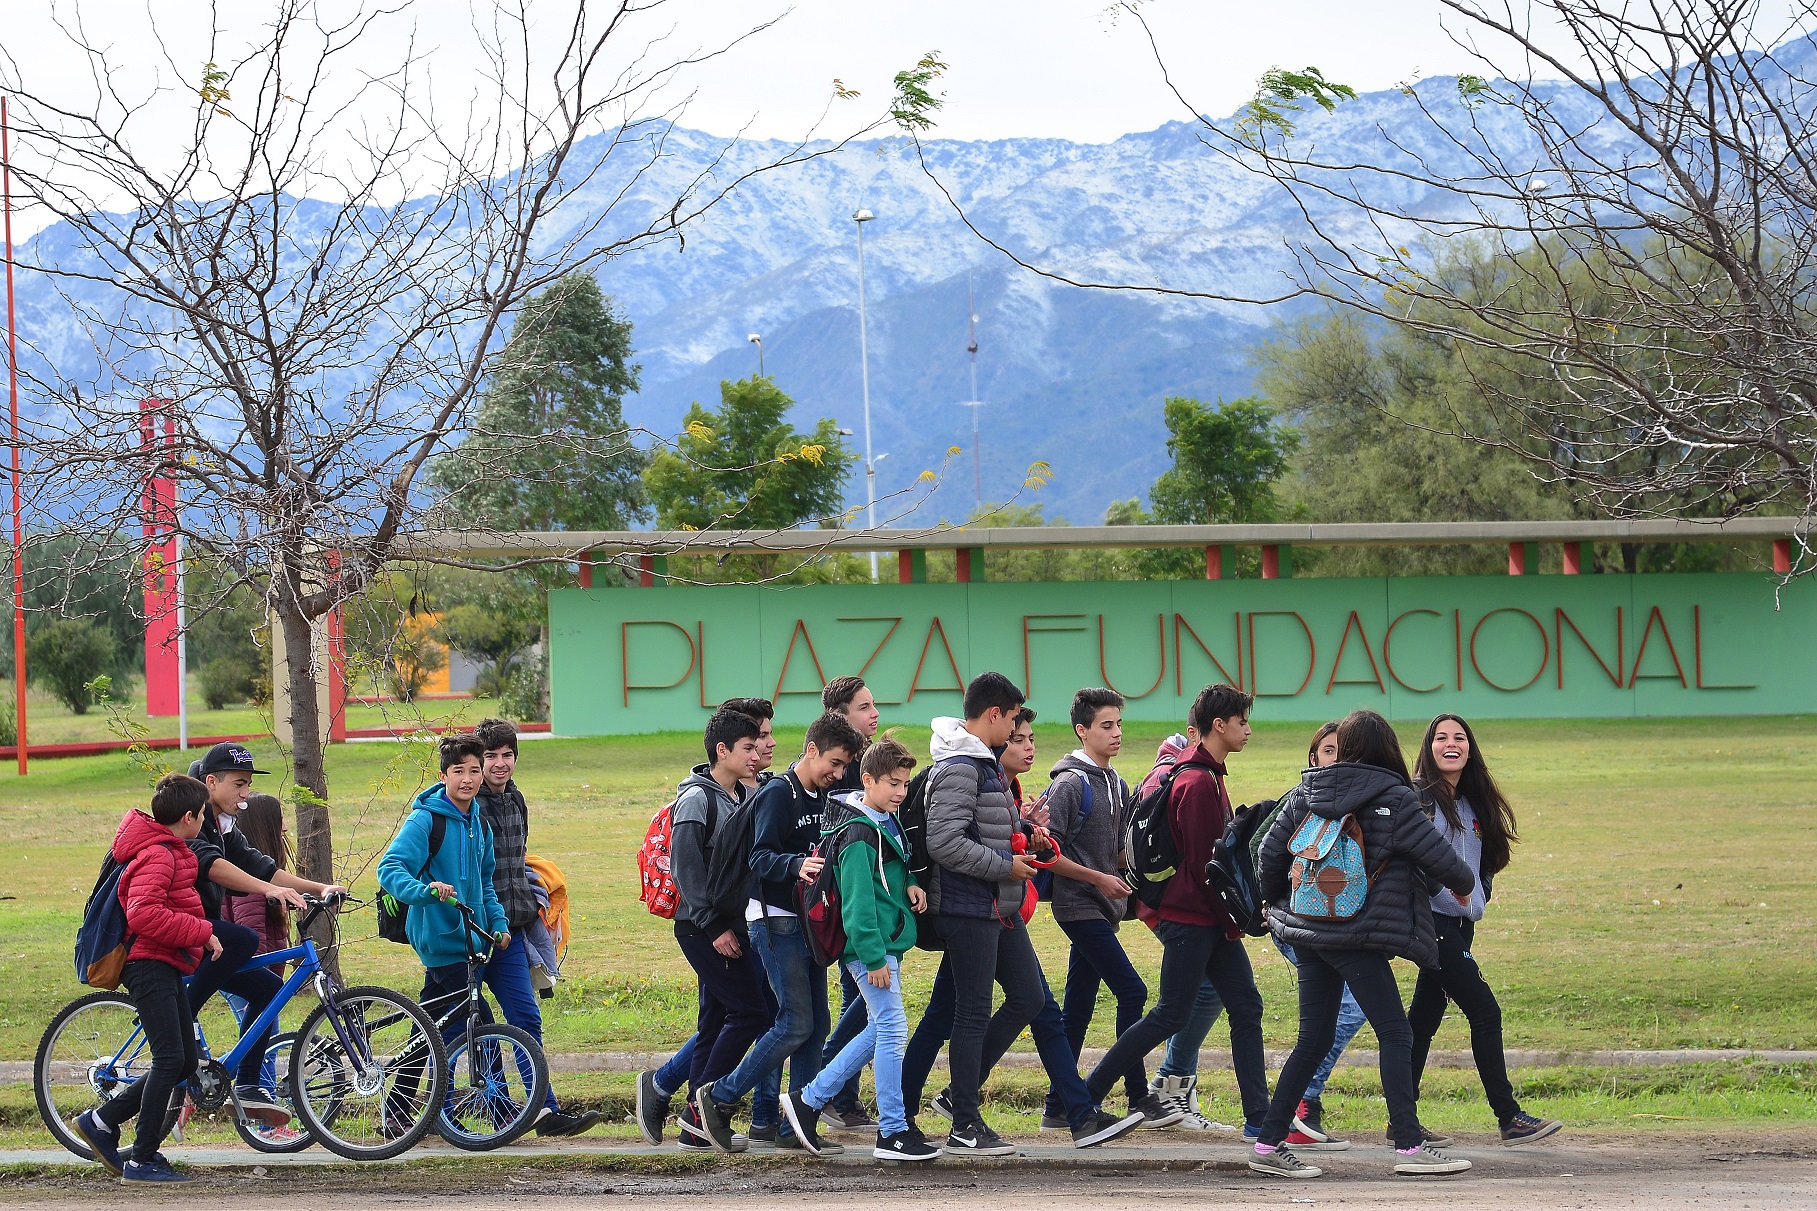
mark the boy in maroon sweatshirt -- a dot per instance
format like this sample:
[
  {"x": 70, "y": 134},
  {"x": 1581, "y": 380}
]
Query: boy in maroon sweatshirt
[
  {"x": 1198, "y": 941},
  {"x": 169, "y": 932}
]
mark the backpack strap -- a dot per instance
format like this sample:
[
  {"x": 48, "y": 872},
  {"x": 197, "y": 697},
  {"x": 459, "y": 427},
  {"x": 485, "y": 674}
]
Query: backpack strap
[{"x": 438, "y": 831}]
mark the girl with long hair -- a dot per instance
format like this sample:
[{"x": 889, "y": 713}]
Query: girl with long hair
[
  {"x": 1366, "y": 788},
  {"x": 1471, "y": 813},
  {"x": 261, "y": 822}
]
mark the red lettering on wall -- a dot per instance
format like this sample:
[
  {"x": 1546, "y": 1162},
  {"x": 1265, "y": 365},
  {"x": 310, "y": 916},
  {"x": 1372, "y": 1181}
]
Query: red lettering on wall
[
  {"x": 801, "y": 629},
  {"x": 1028, "y": 668},
  {"x": 624, "y": 652},
  {"x": 1161, "y": 641},
  {"x": 1664, "y": 633},
  {"x": 894, "y": 621},
  {"x": 1697, "y": 636},
  {"x": 1561, "y": 620},
  {"x": 1457, "y": 644},
  {"x": 1388, "y": 659},
  {"x": 1179, "y": 658},
  {"x": 1545, "y": 656},
  {"x": 1312, "y": 652},
  {"x": 958, "y": 686},
  {"x": 700, "y": 648},
  {"x": 1355, "y": 620}
]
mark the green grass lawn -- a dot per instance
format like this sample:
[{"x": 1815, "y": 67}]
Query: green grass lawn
[{"x": 1658, "y": 899}]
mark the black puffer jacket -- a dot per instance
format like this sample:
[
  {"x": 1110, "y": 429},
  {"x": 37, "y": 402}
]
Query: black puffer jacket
[{"x": 1401, "y": 850}]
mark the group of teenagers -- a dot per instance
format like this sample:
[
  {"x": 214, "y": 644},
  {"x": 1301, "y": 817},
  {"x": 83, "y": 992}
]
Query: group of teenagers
[
  {"x": 205, "y": 886},
  {"x": 956, "y": 874}
]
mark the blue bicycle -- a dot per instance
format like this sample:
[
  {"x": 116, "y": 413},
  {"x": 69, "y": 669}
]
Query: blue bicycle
[{"x": 366, "y": 1072}]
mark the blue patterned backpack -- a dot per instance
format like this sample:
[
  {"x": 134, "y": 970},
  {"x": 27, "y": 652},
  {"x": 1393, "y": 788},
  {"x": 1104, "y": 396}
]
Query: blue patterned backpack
[{"x": 1328, "y": 877}]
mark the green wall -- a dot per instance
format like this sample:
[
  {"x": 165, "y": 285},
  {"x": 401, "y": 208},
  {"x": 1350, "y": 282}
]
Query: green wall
[{"x": 1490, "y": 646}]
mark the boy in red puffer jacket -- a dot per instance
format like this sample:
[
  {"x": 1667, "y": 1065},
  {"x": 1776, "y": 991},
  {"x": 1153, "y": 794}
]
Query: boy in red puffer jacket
[{"x": 169, "y": 932}]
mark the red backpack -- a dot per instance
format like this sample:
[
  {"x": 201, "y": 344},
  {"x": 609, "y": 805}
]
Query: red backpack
[{"x": 659, "y": 894}]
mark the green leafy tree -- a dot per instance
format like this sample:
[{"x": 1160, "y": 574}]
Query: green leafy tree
[
  {"x": 744, "y": 466},
  {"x": 549, "y": 449},
  {"x": 65, "y": 655}
]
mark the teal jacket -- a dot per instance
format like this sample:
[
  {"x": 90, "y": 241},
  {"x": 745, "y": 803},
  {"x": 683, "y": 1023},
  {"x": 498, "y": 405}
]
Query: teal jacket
[
  {"x": 464, "y": 862},
  {"x": 874, "y": 879}
]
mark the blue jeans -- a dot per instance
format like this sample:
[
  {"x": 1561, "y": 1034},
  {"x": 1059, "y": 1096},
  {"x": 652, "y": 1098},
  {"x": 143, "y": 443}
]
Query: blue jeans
[
  {"x": 1048, "y": 1029},
  {"x": 1182, "y": 1057},
  {"x": 673, "y": 1075},
  {"x": 1350, "y": 1020},
  {"x": 508, "y": 976},
  {"x": 799, "y": 987},
  {"x": 256, "y": 987},
  {"x": 881, "y": 1044},
  {"x": 851, "y": 1021},
  {"x": 1098, "y": 958}
]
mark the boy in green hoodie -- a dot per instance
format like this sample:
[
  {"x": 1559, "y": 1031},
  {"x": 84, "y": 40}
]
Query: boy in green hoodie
[{"x": 878, "y": 899}]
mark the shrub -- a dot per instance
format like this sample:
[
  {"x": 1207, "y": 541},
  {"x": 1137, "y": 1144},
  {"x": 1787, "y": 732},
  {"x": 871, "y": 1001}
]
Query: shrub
[
  {"x": 66, "y": 654},
  {"x": 223, "y": 680}
]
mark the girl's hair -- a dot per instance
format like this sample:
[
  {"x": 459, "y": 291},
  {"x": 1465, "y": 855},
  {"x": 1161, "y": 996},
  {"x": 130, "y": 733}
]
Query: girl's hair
[
  {"x": 1493, "y": 812},
  {"x": 261, "y": 822},
  {"x": 1366, "y": 738},
  {"x": 1318, "y": 738}
]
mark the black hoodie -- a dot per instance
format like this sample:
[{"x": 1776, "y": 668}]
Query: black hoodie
[{"x": 1401, "y": 852}]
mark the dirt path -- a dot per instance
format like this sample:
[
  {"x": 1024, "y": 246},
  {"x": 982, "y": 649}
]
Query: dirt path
[{"x": 1708, "y": 1172}]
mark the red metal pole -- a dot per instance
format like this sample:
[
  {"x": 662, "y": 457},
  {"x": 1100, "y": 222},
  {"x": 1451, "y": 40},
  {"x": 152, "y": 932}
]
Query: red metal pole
[{"x": 12, "y": 387}]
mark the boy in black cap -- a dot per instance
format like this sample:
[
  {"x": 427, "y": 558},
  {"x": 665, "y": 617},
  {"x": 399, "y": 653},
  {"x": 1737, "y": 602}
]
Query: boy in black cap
[{"x": 224, "y": 863}]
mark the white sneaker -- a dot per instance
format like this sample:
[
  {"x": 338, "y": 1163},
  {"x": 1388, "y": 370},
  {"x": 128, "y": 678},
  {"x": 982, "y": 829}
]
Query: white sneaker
[
  {"x": 1427, "y": 1161},
  {"x": 1182, "y": 1093}
]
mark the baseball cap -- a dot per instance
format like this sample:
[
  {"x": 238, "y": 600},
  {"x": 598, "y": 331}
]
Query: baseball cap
[{"x": 226, "y": 758}]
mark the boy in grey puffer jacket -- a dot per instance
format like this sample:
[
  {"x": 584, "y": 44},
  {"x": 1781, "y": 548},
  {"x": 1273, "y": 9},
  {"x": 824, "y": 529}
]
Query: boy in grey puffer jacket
[{"x": 977, "y": 888}]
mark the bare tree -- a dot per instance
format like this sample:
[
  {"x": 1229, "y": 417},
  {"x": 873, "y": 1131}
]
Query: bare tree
[
  {"x": 314, "y": 265},
  {"x": 1614, "y": 218}
]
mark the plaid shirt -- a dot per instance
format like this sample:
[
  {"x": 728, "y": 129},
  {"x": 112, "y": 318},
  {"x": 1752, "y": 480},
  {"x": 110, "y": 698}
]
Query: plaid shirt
[{"x": 508, "y": 816}]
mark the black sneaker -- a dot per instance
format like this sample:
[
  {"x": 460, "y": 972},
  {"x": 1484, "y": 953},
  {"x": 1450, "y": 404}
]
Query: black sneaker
[
  {"x": 1524, "y": 1129},
  {"x": 904, "y": 1146},
  {"x": 715, "y": 1120},
  {"x": 103, "y": 1141},
  {"x": 806, "y": 1121},
  {"x": 555, "y": 1123},
  {"x": 1156, "y": 1114},
  {"x": 694, "y": 1137},
  {"x": 942, "y": 1105},
  {"x": 157, "y": 1169},
  {"x": 975, "y": 1139},
  {"x": 1312, "y": 1114},
  {"x": 855, "y": 1120},
  {"x": 1055, "y": 1122},
  {"x": 652, "y": 1109},
  {"x": 1101, "y": 1128},
  {"x": 1430, "y": 1139}
]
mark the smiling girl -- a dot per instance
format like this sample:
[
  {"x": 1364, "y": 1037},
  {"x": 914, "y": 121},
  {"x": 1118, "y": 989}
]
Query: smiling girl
[{"x": 1470, "y": 811}]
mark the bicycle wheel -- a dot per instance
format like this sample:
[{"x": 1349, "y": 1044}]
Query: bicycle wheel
[
  {"x": 92, "y": 1052},
  {"x": 373, "y": 1074},
  {"x": 495, "y": 1094},
  {"x": 275, "y": 1075}
]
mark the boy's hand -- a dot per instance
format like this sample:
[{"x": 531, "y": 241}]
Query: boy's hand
[
  {"x": 727, "y": 945},
  {"x": 811, "y": 865},
  {"x": 1113, "y": 886},
  {"x": 503, "y": 938},
  {"x": 289, "y": 897},
  {"x": 879, "y": 978},
  {"x": 443, "y": 891},
  {"x": 1020, "y": 869},
  {"x": 213, "y": 947},
  {"x": 331, "y": 889},
  {"x": 917, "y": 900},
  {"x": 1036, "y": 813}
]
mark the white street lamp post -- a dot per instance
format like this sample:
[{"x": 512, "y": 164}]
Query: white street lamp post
[{"x": 861, "y": 217}]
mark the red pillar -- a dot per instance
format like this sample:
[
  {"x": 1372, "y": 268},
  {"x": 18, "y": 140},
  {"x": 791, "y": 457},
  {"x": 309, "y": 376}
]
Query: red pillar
[
  {"x": 1271, "y": 562},
  {"x": 963, "y": 565},
  {"x": 1214, "y": 563},
  {"x": 1574, "y": 558},
  {"x": 905, "y": 567},
  {"x": 337, "y": 670},
  {"x": 1782, "y": 555},
  {"x": 586, "y": 569},
  {"x": 158, "y": 516},
  {"x": 1517, "y": 559},
  {"x": 646, "y": 571}
]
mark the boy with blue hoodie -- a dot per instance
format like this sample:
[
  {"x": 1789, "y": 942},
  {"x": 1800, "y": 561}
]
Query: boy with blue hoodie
[
  {"x": 878, "y": 899},
  {"x": 432, "y": 879}
]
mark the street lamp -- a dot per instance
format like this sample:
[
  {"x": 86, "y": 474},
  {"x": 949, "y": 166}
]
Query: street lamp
[
  {"x": 861, "y": 217},
  {"x": 758, "y": 341}
]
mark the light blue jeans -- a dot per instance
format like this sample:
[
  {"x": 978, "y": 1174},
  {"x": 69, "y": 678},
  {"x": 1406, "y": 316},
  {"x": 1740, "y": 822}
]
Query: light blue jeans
[
  {"x": 881, "y": 1044},
  {"x": 1350, "y": 1020}
]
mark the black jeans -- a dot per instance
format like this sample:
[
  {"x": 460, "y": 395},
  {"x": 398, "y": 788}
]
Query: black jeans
[
  {"x": 1191, "y": 955},
  {"x": 734, "y": 1008},
  {"x": 982, "y": 952},
  {"x": 156, "y": 991},
  {"x": 1459, "y": 979},
  {"x": 1097, "y": 957},
  {"x": 256, "y": 987},
  {"x": 852, "y": 1019},
  {"x": 1323, "y": 974}
]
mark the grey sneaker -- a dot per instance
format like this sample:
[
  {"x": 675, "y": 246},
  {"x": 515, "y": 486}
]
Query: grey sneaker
[
  {"x": 1101, "y": 1128},
  {"x": 715, "y": 1120},
  {"x": 1427, "y": 1161},
  {"x": 1055, "y": 1122},
  {"x": 855, "y": 1120},
  {"x": 652, "y": 1108},
  {"x": 1281, "y": 1163},
  {"x": 942, "y": 1105},
  {"x": 1430, "y": 1139},
  {"x": 1155, "y": 1113}
]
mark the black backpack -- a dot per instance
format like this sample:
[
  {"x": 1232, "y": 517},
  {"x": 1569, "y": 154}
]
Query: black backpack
[
  {"x": 818, "y": 902},
  {"x": 729, "y": 859},
  {"x": 911, "y": 818},
  {"x": 394, "y": 913},
  {"x": 1231, "y": 874},
  {"x": 1151, "y": 857}
]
